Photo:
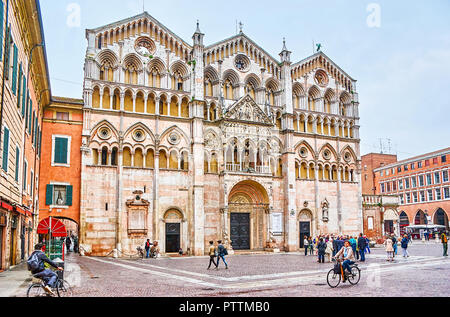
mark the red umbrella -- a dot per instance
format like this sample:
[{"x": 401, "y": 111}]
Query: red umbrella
[{"x": 58, "y": 229}]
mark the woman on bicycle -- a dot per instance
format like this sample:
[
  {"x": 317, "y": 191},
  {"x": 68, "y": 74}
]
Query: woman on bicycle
[{"x": 346, "y": 253}]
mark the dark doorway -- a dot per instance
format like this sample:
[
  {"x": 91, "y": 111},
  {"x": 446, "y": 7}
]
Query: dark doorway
[
  {"x": 389, "y": 227},
  {"x": 1, "y": 247},
  {"x": 305, "y": 232},
  {"x": 240, "y": 231},
  {"x": 22, "y": 241},
  {"x": 172, "y": 237}
]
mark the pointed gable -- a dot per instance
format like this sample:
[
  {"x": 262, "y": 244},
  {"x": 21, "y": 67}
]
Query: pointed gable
[{"x": 247, "y": 110}]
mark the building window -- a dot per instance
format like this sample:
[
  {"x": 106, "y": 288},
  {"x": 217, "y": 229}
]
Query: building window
[
  {"x": 435, "y": 160},
  {"x": 413, "y": 182},
  {"x": 430, "y": 195},
  {"x": 394, "y": 186},
  {"x": 445, "y": 176},
  {"x": 429, "y": 179},
  {"x": 422, "y": 196},
  {"x": 388, "y": 187},
  {"x": 5, "y": 149},
  {"x": 419, "y": 164},
  {"x": 402, "y": 200},
  {"x": 421, "y": 181},
  {"x": 413, "y": 166},
  {"x": 444, "y": 159},
  {"x": 61, "y": 150},
  {"x": 408, "y": 198},
  {"x": 25, "y": 167},
  {"x": 437, "y": 178},
  {"x": 62, "y": 116},
  {"x": 446, "y": 193},
  {"x": 427, "y": 162},
  {"x": 438, "y": 194},
  {"x": 399, "y": 169},
  {"x": 381, "y": 173},
  {"x": 382, "y": 188},
  {"x": 405, "y": 168},
  {"x": 415, "y": 197},
  {"x": 16, "y": 177},
  {"x": 400, "y": 185},
  {"x": 407, "y": 183},
  {"x": 59, "y": 195}
]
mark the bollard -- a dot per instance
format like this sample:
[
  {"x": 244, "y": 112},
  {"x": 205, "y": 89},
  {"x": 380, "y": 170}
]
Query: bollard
[{"x": 115, "y": 254}]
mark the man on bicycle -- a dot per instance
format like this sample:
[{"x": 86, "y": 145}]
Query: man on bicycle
[
  {"x": 48, "y": 276},
  {"x": 346, "y": 253}
]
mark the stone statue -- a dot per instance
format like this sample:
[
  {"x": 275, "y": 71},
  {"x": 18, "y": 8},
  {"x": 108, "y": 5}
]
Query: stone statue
[{"x": 325, "y": 212}]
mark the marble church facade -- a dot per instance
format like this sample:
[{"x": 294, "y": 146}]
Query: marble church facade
[{"x": 184, "y": 143}]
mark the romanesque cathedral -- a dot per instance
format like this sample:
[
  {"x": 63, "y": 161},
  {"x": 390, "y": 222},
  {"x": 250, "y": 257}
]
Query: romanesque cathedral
[{"x": 184, "y": 143}]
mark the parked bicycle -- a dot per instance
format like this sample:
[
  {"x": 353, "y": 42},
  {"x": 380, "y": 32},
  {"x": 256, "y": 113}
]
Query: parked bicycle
[
  {"x": 338, "y": 273},
  {"x": 37, "y": 288}
]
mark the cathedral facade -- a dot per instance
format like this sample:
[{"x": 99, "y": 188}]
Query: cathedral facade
[{"x": 185, "y": 143}]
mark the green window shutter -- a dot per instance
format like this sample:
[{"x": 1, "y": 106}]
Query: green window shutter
[
  {"x": 61, "y": 150},
  {"x": 14, "y": 75},
  {"x": 5, "y": 149},
  {"x": 49, "y": 195},
  {"x": 2, "y": 13},
  {"x": 27, "y": 109},
  {"x": 69, "y": 195},
  {"x": 24, "y": 97},
  {"x": 25, "y": 170},
  {"x": 17, "y": 164},
  {"x": 7, "y": 51},
  {"x": 32, "y": 128},
  {"x": 19, "y": 89},
  {"x": 29, "y": 116}
]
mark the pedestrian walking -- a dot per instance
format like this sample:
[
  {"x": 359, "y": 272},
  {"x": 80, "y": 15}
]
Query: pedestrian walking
[
  {"x": 75, "y": 244},
  {"x": 367, "y": 244},
  {"x": 306, "y": 245},
  {"x": 329, "y": 251},
  {"x": 444, "y": 240},
  {"x": 212, "y": 255},
  {"x": 148, "y": 245},
  {"x": 311, "y": 246},
  {"x": 335, "y": 245},
  {"x": 68, "y": 244},
  {"x": 321, "y": 248},
  {"x": 362, "y": 247},
  {"x": 389, "y": 249},
  {"x": 221, "y": 252},
  {"x": 394, "y": 244},
  {"x": 404, "y": 244}
]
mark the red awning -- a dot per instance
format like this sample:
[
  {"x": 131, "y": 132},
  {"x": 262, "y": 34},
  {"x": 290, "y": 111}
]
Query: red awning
[
  {"x": 7, "y": 206},
  {"x": 23, "y": 211},
  {"x": 58, "y": 229}
]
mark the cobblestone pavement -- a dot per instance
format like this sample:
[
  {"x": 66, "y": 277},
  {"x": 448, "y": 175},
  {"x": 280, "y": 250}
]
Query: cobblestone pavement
[{"x": 425, "y": 273}]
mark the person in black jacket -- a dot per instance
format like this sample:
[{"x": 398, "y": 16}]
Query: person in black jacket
[
  {"x": 335, "y": 246},
  {"x": 48, "y": 276},
  {"x": 321, "y": 248},
  {"x": 362, "y": 247}
]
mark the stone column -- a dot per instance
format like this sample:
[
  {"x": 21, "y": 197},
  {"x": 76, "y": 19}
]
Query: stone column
[{"x": 339, "y": 201}]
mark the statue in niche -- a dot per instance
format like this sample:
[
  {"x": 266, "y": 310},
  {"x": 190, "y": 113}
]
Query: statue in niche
[{"x": 325, "y": 211}]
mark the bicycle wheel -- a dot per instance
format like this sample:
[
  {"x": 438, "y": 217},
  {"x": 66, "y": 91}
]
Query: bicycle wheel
[
  {"x": 333, "y": 279},
  {"x": 64, "y": 289},
  {"x": 36, "y": 290},
  {"x": 355, "y": 276}
]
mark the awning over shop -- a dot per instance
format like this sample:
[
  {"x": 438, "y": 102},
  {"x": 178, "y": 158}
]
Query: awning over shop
[
  {"x": 23, "y": 211},
  {"x": 57, "y": 228},
  {"x": 6, "y": 206}
]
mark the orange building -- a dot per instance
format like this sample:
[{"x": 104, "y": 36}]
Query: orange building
[
  {"x": 59, "y": 184},
  {"x": 423, "y": 187},
  {"x": 370, "y": 162}
]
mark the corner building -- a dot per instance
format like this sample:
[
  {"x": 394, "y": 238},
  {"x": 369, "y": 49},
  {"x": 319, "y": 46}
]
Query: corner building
[{"x": 185, "y": 143}]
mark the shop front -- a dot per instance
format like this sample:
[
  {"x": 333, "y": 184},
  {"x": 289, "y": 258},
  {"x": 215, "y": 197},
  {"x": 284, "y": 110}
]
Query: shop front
[{"x": 52, "y": 232}]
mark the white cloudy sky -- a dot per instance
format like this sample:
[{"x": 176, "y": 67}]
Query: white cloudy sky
[{"x": 402, "y": 67}]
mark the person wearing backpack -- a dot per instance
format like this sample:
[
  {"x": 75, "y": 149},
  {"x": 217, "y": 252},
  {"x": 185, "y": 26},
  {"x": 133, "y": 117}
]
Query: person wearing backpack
[
  {"x": 221, "y": 252},
  {"x": 321, "y": 248},
  {"x": 405, "y": 246},
  {"x": 36, "y": 265}
]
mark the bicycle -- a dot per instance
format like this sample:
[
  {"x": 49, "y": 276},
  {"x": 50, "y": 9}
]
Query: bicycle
[
  {"x": 334, "y": 278},
  {"x": 62, "y": 289}
]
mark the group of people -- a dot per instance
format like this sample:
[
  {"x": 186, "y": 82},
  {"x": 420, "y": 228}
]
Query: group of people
[
  {"x": 152, "y": 249},
  {"x": 72, "y": 244},
  {"x": 219, "y": 252},
  {"x": 329, "y": 246}
]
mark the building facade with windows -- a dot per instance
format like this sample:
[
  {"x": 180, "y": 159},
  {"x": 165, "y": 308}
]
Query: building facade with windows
[
  {"x": 422, "y": 186},
  {"x": 184, "y": 143},
  {"x": 59, "y": 188},
  {"x": 25, "y": 90}
]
